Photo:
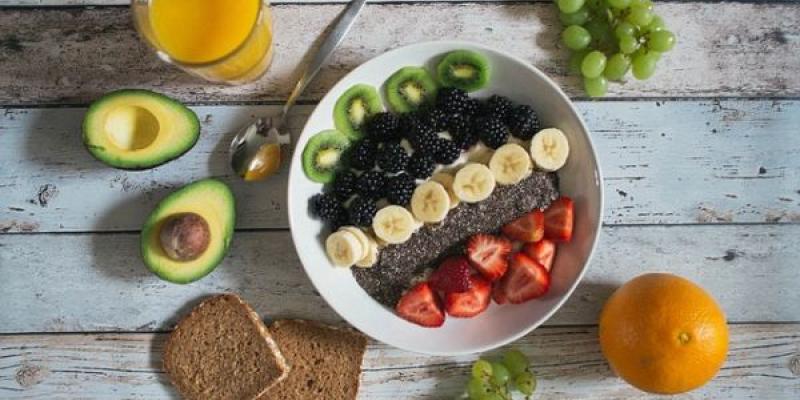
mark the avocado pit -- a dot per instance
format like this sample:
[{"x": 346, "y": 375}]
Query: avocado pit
[{"x": 185, "y": 236}]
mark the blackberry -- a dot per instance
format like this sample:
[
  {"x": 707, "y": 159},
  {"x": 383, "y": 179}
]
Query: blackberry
[
  {"x": 492, "y": 132},
  {"x": 446, "y": 152},
  {"x": 466, "y": 140},
  {"x": 392, "y": 157},
  {"x": 473, "y": 107},
  {"x": 399, "y": 189},
  {"x": 458, "y": 124},
  {"x": 326, "y": 207},
  {"x": 413, "y": 123},
  {"x": 437, "y": 119},
  {"x": 452, "y": 100},
  {"x": 523, "y": 122},
  {"x": 383, "y": 126},
  {"x": 371, "y": 184},
  {"x": 424, "y": 142},
  {"x": 363, "y": 153},
  {"x": 420, "y": 166},
  {"x": 361, "y": 211},
  {"x": 498, "y": 107},
  {"x": 344, "y": 185}
]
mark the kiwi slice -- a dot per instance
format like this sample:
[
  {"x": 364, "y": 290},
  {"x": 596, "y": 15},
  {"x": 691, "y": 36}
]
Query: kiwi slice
[
  {"x": 464, "y": 69},
  {"x": 410, "y": 88},
  {"x": 322, "y": 154},
  {"x": 354, "y": 108}
]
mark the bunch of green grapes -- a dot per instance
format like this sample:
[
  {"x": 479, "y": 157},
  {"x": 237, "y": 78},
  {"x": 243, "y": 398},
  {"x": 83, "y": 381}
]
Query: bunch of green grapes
[
  {"x": 494, "y": 380},
  {"x": 609, "y": 37}
]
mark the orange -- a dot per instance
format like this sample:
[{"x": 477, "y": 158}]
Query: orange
[{"x": 663, "y": 334}]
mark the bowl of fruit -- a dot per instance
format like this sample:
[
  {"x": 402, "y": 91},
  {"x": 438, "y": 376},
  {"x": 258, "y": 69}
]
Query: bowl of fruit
[{"x": 445, "y": 198}]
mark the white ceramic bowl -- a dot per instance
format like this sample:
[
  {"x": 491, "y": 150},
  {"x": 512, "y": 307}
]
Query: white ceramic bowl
[{"x": 580, "y": 179}]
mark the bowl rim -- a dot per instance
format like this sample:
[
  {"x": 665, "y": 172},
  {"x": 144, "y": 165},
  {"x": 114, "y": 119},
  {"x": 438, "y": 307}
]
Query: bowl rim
[{"x": 457, "y": 44}]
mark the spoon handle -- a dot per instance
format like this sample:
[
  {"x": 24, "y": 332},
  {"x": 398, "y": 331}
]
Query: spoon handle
[{"x": 328, "y": 45}]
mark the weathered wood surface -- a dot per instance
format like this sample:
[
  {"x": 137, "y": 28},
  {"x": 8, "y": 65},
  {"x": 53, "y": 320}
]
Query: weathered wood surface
[
  {"x": 739, "y": 50},
  {"x": 719, "y": 162},
  {"x": 763, "y": 363},
  {"x": 97, "y": 282}
]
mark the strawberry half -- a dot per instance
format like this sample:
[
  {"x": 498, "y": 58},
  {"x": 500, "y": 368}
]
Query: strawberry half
[
  {"x": 526, "y": 279},
  {"x": 489, "y": 255},
  {"x": 543, "y": 251},
  {"x": 421, "y": 306},
  {"x": 558, "y": 220},
  {"x": 472, "y": 302},
  {"x": 527, "y": 228},
  {"x": 452, "y": 276}
]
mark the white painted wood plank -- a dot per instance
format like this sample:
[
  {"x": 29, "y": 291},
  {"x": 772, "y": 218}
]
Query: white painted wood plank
[
  {"x": 762, "y": 364},
  {"x": 735, "y": 49},
  {"x": 96, "y": 282},
  {"x": 670, "y": 162}
]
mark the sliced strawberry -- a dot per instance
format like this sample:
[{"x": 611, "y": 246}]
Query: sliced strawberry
[
  {"x": 489, "y": 255},
  {"x": 421, "y": 306},
  {"x": 543, "y": 251},
  {"x": 470, "y": 303},
  {"x": 558, "y": 220},
  {"x": 527, "y": 228},
  {"x": 452, "y": 276},
  {"x": 526, "y": 279},
  {"x": 498, "y": 295}
]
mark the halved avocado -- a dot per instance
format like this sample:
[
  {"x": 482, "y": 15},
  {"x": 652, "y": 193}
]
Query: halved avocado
[
  {"x": 138, "y": 129},
  {"x": 209, "y": 199}
]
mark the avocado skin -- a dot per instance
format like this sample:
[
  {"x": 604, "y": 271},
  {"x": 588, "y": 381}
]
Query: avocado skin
[
  {"x": 201, "y": 193},
  {"x": 98, "y": 151}
]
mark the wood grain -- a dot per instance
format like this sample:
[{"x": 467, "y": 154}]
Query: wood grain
[
  {"x": 719, "y": 162},
  {"x": 567, "y": 361},
  {"x": 96, "y": 282},
  {"x": 745, "y": 50}
]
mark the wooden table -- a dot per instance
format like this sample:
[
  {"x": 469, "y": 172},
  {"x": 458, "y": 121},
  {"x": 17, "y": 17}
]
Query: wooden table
[{"x": 701, "y": 163}]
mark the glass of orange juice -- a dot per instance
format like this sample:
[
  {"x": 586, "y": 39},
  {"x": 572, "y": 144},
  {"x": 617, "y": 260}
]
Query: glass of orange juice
[{"x": 227, "y": 41}]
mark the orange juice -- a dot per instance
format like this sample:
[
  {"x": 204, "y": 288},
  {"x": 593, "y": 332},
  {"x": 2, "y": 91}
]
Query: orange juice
[{"x": 220, "y": 40}]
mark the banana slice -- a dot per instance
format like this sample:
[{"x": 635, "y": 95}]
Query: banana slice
[
  {"x": 360, "y": 235},
  {"x": 510, "y": 164},
  {"x": 447, "y": 181},
  {"x": 430, "y": 202},
  {"x": 549, "y": 149},
  {"x": 473, "y": 183},
  {"x": 393, "y": 224},
  {"x": 480, "y": 153},
  {"x": 343, "y": 249},
  {"x": 371, "y": 258}
]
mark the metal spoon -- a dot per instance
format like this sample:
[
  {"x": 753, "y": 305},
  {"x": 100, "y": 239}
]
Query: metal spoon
[{"x": 255, "y": 151}]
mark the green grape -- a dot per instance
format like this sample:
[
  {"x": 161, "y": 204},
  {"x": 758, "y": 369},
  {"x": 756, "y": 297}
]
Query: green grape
[
  {"x": 595, "y": 87},
  {"x": 639, "y": 16},
  {"x": 577, "y": 18},
  {"x": 525, "y": 383},
  {"x": 576, "y": 37},
  {"x": 619, "y": 4},
  {"x": 648, "y": 4},
  {"x": 628, "y": 44},
  {"x": 501, "y": 374},
  {"x": 575, "y": 60},
  {"x": 624, "y": 29},
  {"x": 482, "y": 369},
  {"x": 596, "y": 27},
  {"x": 476, "y": 388},
  {"x": 570, "y": 6},
  {"x": 644, "y": 64},
  {"x": 593, "y": 64},
  {"x": 657, "y": 24},
  {"x": 515, "y": 361},
  {"x": 661, "y": 41},
  {"x": 617, "y": 66}
]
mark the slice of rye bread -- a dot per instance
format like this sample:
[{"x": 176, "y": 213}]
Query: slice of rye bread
[
  {"x": 222, "y": 350},
  {"x": 326, "y": 361}
]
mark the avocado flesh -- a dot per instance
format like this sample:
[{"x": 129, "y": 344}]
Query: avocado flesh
[
  {"x": 208, "y": 198},
  {"x": 138, "y": 129}
]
